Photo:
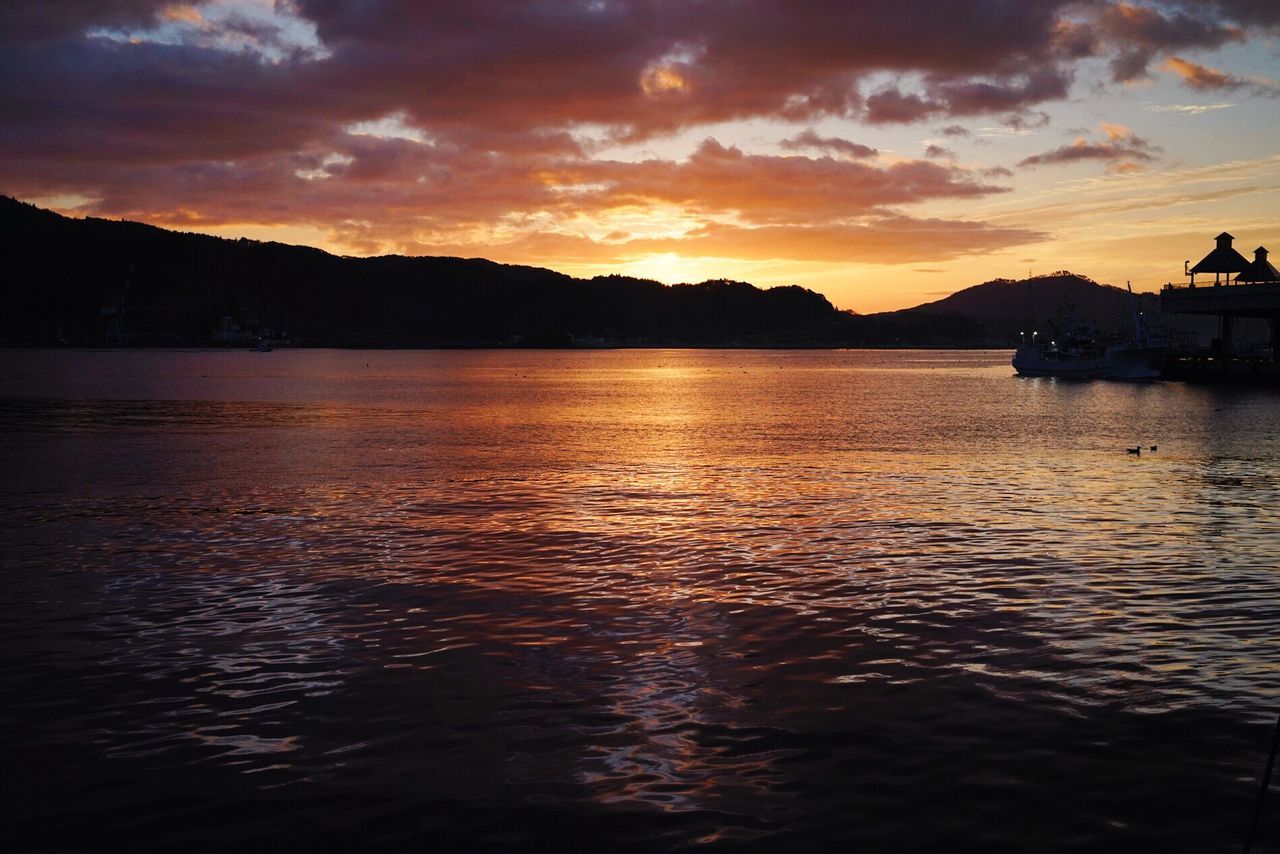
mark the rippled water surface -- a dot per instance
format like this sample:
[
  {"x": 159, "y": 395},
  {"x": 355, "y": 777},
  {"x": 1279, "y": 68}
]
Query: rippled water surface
[{"x": 632, "y": 599}]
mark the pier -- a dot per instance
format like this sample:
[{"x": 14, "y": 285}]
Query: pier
[{"x": 1240, "y": 289}]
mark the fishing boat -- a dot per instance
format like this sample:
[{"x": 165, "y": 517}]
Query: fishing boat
[{"x": 1077, "y": 352}]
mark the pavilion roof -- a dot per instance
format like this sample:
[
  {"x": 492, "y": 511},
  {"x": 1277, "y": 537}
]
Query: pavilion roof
[
  {"x": 1259, "y": 269},
  {"x": 1223, "y": 259}
]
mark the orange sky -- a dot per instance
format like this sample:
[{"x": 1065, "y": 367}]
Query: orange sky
[{"x": 883, "y": 154}]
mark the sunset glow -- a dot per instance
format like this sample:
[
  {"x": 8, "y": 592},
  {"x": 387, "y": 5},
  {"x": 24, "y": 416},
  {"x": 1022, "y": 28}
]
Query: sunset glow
[{"x": 880, "y": 153}]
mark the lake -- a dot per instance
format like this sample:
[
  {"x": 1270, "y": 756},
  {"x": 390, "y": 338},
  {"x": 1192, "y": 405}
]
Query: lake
[{"x": 633, "y": 600}]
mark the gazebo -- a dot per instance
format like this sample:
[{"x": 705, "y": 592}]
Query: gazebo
[
  {"x": 1259, "y": 271},
  {"x": 1223, "y": 259}
]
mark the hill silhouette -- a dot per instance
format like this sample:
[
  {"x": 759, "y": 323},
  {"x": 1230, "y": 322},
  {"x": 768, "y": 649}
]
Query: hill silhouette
[
  {"x": 94, "y": 282},
  {"x": 90, "y": 282},
  {"x": 1006, "y": 307}
]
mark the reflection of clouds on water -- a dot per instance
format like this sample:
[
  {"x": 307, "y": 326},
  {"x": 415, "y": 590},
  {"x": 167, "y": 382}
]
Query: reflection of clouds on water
[
  {"x": 724, "y": 592},
  {"x": 228, "y": 655}
]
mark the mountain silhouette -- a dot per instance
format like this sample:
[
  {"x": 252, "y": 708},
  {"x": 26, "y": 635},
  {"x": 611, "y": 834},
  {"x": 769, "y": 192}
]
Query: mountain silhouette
[
  {"x": 90, "y": 282},
  {"x": 94, "y": 282},
  {"x": 1006, "y": 307}
]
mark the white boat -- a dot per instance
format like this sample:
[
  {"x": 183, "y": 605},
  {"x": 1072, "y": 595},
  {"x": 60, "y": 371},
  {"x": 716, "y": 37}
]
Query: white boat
[
  {"x": 1088, "y": 360},
  {"x": 1079, "y": 353}
]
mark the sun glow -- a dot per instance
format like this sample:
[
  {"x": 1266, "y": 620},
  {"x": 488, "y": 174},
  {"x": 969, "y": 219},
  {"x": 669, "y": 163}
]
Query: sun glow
[
  {"x": 671, "y": 268},
  {"x": 663, "y": 81},
  {"x": 807, "y": 144}
]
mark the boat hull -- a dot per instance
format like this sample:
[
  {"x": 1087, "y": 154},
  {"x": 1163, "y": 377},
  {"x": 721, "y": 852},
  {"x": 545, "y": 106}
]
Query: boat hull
[{"x": 1115, "y": 364}]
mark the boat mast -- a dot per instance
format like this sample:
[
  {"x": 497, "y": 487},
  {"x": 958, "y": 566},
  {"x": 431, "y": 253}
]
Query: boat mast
[{"x": 1139, "y": 331}]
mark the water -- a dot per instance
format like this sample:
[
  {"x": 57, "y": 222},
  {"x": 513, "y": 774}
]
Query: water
[{"x": 884, "y": 601}]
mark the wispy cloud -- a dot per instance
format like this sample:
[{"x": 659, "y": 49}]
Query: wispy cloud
[
  {"x": 1187, "y": 109},
  {"x": 1205, "y": 79},
  {"x": 810, "y": 140},
  {"x": 1200, "y": 77},
  {"x": 1122, "y": 150}
]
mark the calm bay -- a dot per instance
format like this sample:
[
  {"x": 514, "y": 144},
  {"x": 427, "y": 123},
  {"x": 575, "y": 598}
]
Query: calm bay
[{"x": 649, "y": 599}]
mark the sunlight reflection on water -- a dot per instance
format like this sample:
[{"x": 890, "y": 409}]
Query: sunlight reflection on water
[{"x": 751, "y": 595}]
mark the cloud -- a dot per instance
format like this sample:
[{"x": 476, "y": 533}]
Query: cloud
[
  {"x": 892, "y": 106},
  {"x": 1187, "y": 109},
  {"x": 973, "y": 97},
  {"x": 1264, "y": 13},
  {"x": 637, "y": 68},
  {"x": 1204, "y": 79},
  {"x": 399, "y": 123},
  {"x": 44, "y": 22},
  {"x": 194, "y": 87},
  {"x": 1200, "y": 77},
  {"x": 895, "y": 240},
  {"x": 1120, "y": 134},
  {"x": 939, "y": 152},
  {"x": 889, "y": 240},
  {"x": 1075, "y": 39},
  {"x": 1026, "y": 121},
  {"x": 719, "y": 179},
  {"x": 947, "y": 96},
  {"x": 388, "y": 193},
  {"x": 1124, "y": 151},
  {"x": 1125, "y": 167},
  {"x": 1141, "y": 33},
  {"x": 810, "y": 140}
]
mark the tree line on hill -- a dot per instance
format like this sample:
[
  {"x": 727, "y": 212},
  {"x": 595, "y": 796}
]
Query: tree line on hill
[{"x": 95, "y": 282}]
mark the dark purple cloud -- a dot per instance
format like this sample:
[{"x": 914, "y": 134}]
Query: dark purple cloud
[
  {"x": 39, "y": 21},
  {"x": 1264, "y": 13},
  {"x": 1026, "y": 121},
  {"x": 506, "y": 69},
  {"x": 1121, "y": 148},
  {"x": 1141, "y": 33},
  {"x": 640, "y": 67},
  {"x": 891, "y": 106},
  {"x": 810, "y": 140},
  {"x": 973, "y": 97},
  {"x": 161, "y": 109}
]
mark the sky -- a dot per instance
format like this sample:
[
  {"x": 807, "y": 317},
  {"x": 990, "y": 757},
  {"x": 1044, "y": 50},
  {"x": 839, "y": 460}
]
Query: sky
[{"x": 882, "y": 153}]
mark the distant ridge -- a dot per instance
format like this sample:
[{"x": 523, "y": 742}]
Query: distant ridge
[
  {"x": 1006, "y": 307},
  {"x": 90, "y": 282},
  {"x": 94, "y": 282}
]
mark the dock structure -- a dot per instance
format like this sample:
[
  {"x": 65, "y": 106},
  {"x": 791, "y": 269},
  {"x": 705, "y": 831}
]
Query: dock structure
[{"x": 1240, "y": 288}]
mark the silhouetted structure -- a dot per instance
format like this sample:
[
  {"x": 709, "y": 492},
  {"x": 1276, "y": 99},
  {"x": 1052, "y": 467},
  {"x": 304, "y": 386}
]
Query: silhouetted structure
[
  {"x": 1223, "y": 259},
  {"x": 1255, "y": 293},
  {"x": 1259, "y": 270}
]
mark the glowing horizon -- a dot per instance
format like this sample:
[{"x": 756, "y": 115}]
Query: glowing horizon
[{"x": 883, "y": 157}]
